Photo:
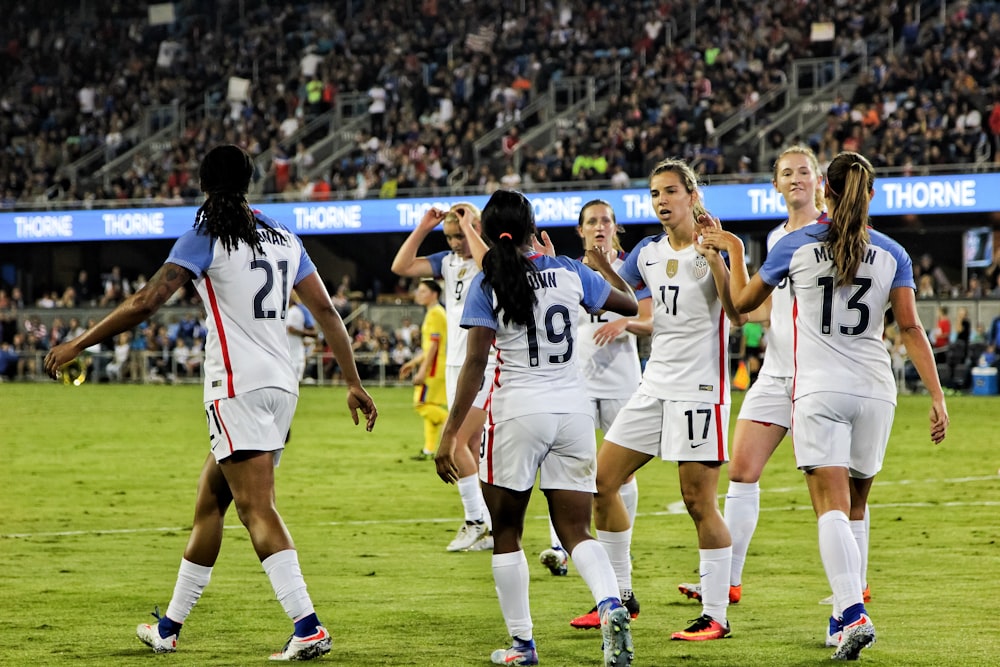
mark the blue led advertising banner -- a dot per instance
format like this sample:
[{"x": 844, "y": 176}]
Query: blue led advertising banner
[{"x": 969, "y": 193}]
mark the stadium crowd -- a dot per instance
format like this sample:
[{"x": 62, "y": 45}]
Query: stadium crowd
[
  {"x": 454, "y": 72},
  {"x": 74, "y": 83}
]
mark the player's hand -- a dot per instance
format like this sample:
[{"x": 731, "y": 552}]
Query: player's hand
[
  {"x": 939, "y": 421},
  {"x": 598, "y": 259},
  {"x": 358, "y": 399},
  {"x": 610, "y": 331},
  {"x": 543, "y": 244},
  {"x": 58, "y": 357},
  {"x": 707, "y": 221},
  {"x": 444, "y": 459},
  {"x": 432, "y": 218}
]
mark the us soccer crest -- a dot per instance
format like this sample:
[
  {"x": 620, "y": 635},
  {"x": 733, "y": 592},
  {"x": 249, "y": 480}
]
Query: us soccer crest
[
  {"x": 461, "y": 273},
  {"x": 671, "y": 268},
  {"x": 700, "y": 267}
]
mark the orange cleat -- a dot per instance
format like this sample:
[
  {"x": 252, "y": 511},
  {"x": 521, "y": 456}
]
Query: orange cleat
[{"x": 702, "y": 629}]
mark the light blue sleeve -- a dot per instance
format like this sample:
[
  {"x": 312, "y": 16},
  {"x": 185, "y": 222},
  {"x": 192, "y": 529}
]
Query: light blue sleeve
[
  {"x": 478, "y": 310},
  {"x": 632, "y": 274},
  {"x": 193, "y": 251},
  {"x": 437, "y": 260},
  {"x": 904, "y": 265},
  {"x": 779, "y": 259}
]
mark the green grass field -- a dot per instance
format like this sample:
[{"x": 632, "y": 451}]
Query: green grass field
[{"x": 98, "y": 489}]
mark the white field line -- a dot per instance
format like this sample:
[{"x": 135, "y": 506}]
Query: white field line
[{"x": 673, "y": 508}]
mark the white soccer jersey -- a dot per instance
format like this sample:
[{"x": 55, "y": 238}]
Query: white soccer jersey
[
  {"x": 837, "y": 334},
  {"x": 611, "y": 370},
  {"x": 537, "y": 368},
  {"x": 247, "y": 298},
  {"x": 688, "y": 359},
  {"x": 457, "y": 273}
]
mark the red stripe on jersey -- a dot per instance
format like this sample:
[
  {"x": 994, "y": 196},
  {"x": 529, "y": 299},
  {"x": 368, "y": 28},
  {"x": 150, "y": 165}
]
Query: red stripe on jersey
[
  {"x": 496, "y": 371},
  {"x": 217, "y": 316},
  {"x": 222, "y": 423},
  {"x": 489, "y": 444},
  {"x": 718, "y": 433}
]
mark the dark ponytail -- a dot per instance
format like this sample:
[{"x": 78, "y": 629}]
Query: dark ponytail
[
  {"x": 508, "y": 225},
  {"x": 225, "y": 175}
]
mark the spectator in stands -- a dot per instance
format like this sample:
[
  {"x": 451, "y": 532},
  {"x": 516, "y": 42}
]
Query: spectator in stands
[
  {"x": 116, "y": 287},
  {"x": 118, "y": 368},
  {"x": 941, "y": 333},
  {"x": 927, "y": 266},
  {"x": 83, "y": 291}
]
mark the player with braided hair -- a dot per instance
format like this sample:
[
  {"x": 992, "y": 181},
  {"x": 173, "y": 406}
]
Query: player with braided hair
[{"x": 244, "y": 266}]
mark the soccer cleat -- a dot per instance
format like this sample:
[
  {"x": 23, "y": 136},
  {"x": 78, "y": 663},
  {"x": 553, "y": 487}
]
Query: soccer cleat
[
  {"x": 702, "y": 629},
  {"x": 555, "y": 559},
  {"x": 524, "y": 654},
  {"x": 151, "y": 637},
  {"x": 616, "y": 634},
  {"x": 592, "y": 620},
  {"x": 834, "y": 632},
  {"x": 422, "y": 456},
  {"x": 470, "y": 533},
  {"x": 856, "y": 636},
  {"x": 305, "y": 648},
  {"x": 484, "y": 543},
  {"x": 693, "y": 592},
  {"x": 866, "y": 597}
]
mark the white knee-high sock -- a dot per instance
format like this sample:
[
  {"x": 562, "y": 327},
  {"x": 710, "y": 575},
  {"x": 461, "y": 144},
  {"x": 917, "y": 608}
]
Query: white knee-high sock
[
  {"x": 283, "y": 570},
  {"x": 618, "y": 547},
  {"x": 841, "y": 559},
  {"x": 191, "y": 582},
  {"x": 472, "y": 503},
  {"x": 742, "y": 511},
  {"x": 510, "y": 576},
  {"x": 630, "y": 496},
  {"x": 592, "y": 561},
  {"x": 714, "y": 570}
]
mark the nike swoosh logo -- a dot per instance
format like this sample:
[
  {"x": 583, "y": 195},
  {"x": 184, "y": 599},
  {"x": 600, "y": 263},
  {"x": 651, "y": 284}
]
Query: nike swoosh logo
[
  {"x": 652, "y": 263},
  {"x": 696, "y": 446}
]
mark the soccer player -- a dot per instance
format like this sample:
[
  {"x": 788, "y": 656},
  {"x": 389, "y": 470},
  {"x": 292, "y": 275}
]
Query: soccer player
[
  {"x": 427, "y": 368},
  {"x": 843, "y": 275},
  {"x": 527, "y": 302},
  {"x": 680, "y": 411},
  {"x": 457, "y": 268},
  {"x": 244, "y": 266},
  {"x": 766, "y": 413}
]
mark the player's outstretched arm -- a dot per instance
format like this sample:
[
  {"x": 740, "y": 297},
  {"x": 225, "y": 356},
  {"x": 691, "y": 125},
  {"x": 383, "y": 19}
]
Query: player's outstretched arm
[{"x": 130, "y": 313}]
